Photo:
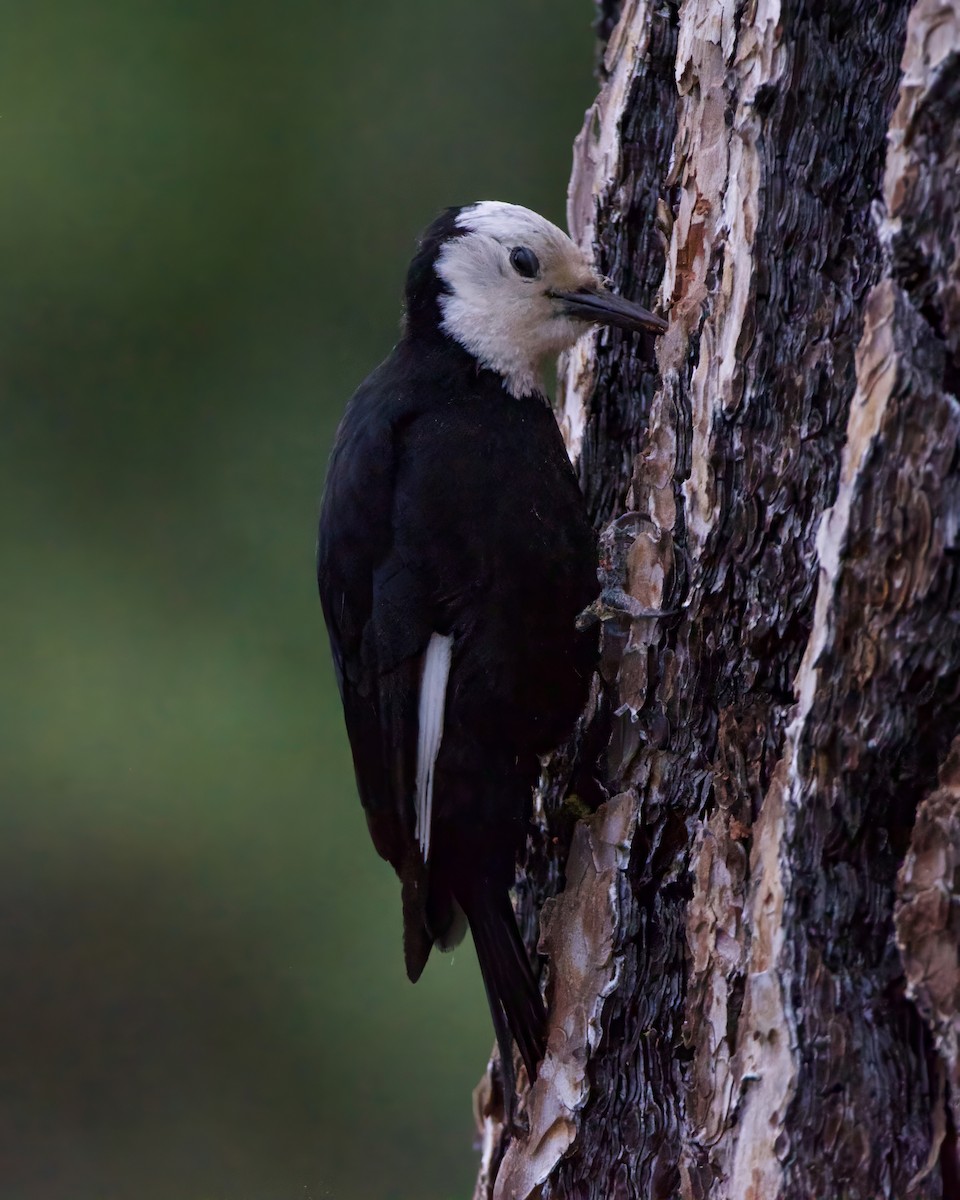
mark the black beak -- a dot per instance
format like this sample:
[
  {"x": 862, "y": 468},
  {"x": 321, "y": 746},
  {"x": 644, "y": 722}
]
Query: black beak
[{"x": 604, "y": 308}]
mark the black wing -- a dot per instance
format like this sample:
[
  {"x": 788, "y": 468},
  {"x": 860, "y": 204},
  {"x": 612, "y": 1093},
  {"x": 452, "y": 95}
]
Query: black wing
[{"x": 379, "y": 625}]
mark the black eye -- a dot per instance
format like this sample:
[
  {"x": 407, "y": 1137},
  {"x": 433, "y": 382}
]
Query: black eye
[{"x": 524, "y": 262}]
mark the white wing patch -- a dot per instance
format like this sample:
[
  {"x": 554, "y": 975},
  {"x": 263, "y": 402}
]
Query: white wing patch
[{"x": 433, "y": 701}]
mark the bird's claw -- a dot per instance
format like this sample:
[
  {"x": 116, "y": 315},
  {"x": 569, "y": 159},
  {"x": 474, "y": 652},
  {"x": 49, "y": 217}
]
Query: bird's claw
[{"x": 615, "y": 602}]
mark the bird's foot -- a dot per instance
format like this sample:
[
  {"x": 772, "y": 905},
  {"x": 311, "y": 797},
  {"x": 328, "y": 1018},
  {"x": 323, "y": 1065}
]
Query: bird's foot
[{"x": 615, "y": 602}]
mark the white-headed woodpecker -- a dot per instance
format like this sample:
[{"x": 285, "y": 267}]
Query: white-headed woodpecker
[{"x": 455, "y": 554}]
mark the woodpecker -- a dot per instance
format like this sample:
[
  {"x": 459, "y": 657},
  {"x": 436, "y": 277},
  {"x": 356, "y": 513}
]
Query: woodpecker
[{"x": 454, "y": 555}]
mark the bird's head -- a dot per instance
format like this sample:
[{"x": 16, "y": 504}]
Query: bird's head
[{"x": 512, "y": 289}]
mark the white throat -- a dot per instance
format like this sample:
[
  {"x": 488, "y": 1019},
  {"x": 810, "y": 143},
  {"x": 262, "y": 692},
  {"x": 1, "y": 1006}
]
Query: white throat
[{"x": 493, "y": 333}]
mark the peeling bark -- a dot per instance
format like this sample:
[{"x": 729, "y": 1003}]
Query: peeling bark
[
  {"x": 928, "y": 937},
  {"x": 734, "y": 1013}
]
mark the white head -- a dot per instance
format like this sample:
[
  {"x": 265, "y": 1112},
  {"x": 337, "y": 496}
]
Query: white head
[{"x": 516, "y": 291}]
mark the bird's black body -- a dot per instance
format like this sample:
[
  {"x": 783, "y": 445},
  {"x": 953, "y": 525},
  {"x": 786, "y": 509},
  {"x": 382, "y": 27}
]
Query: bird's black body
[{"x": 451, "y": 508}]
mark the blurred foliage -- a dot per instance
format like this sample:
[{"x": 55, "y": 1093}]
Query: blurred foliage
[{"x": 206, "y": 212}]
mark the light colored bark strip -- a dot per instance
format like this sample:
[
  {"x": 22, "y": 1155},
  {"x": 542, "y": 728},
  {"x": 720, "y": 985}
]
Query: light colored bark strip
[
  {"x": 921, "y": 186},
  {"x": 767, "y": 1029},
  {"x": 876, "y": 375},
  {"x": 719, "y": 171},
  {"x": 579, "y": 934},
  {"x": 720, "y": 174},
  {"x": 596, "y": 158}
]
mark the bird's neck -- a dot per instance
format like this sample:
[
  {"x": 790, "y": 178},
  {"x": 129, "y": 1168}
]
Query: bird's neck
[{"x": 434, "y": 345}]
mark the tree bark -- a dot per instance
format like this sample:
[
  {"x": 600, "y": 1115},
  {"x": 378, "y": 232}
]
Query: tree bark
[{"x": 747, "y": 1001}]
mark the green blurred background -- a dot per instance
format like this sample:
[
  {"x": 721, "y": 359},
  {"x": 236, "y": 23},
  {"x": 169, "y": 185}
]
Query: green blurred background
[{"x": 206, "y": 210}]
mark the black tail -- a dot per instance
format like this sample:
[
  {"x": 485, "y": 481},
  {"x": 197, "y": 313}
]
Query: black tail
[{"x": 512, "y": 993}]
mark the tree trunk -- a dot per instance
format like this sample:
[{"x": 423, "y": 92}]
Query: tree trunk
[{"x": 746, "y": 1000}]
